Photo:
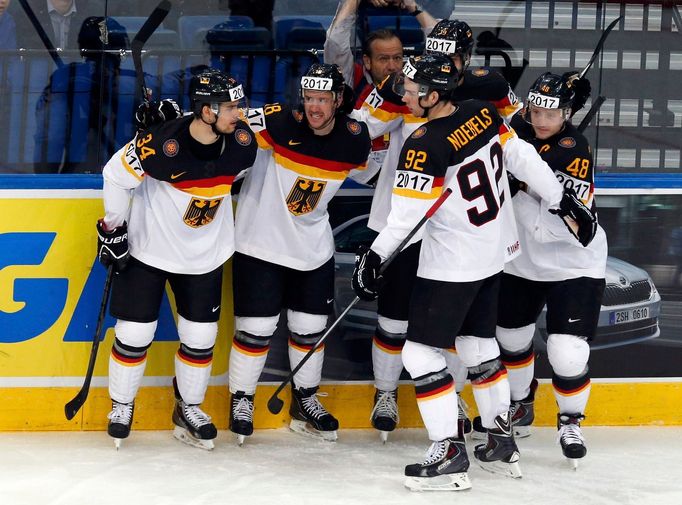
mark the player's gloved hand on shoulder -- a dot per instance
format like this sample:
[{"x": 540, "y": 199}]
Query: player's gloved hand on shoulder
[
  {"x": 152, "y": 113},
  {"x": 582, "y": 89},
  {"x": 366, "y": 279},
  {"x": 578, "y": 218},
  {"x": 112, "y": 245},
  {"x": 515, "y": 185}
]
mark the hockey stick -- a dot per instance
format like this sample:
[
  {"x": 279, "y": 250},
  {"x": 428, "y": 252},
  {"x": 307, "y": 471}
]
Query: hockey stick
[
  {"x": 146, "y": 30},
  {"x": 591, "y": 113},
  {"x": 598, "y": 49},
  {"x": 41, "y": 33},
  {"x": 274, "y": 403},
  {"x": 72, "y": 408}
]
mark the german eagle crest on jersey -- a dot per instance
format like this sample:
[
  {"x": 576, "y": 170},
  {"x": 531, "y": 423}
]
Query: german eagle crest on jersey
[
  {"x": 304, "y": 195},
  {"x": 201, "y": 212}
]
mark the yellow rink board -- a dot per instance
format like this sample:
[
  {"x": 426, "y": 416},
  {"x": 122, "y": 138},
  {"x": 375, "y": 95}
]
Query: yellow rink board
[{"x": 42, "y": 409}]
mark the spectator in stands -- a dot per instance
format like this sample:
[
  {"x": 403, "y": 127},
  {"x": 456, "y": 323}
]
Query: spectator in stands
[
  {"x": 8, "y": 34},
  {"x": 382, "y": 51},
  {"x": 382, "y": 55},
  {"x": 59, "y": 18},
  {"x": 83, "y": 95}
]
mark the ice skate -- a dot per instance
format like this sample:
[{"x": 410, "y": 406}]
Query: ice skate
[
  {"x": 444, "y": 468},
  {"x": 241, "y": 415},
  {"x": 309, "y": 417},
  {"x": 384, "y": 415},
  {"x": 500, "y": 454},
  {"x": 522, "y": 412},
  {"x": 193, "y": 426},
  {"x": 120, "y": 420},
  {"x": 571, "y": 437},
  {"x": 463, "y": 421}
]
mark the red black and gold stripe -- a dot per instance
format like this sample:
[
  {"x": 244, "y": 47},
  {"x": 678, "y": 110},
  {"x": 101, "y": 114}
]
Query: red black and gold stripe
[
  {"x": 250, "y": 349},
  {"x": 303, "y": 347},
  {"x": 570, "y": 387},
  {"x": 125, "y": 360},
  {"x": 435, "y": 385},
  {"x": 311, "y": 166},
  {"x": 484, "y": 382},
  {"x": 213, "y": 187},
  {"x": 518, "y": 361},
  {"x": 199, "y": 360}
]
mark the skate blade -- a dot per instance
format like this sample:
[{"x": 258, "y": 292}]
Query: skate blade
[
  {"x": 186, "y": 438},
  {"x": 117, "y": 443},
  {"x": 304, "y": 428},
  {"x": 383, "y": 436},
  {"x": 445, "y": 482},
  {"x": 574, "y": 462},
  {"x": 240, "y": 440},
  {"x": 521, "y": 431},
  {"x": 512, "y": 470}
]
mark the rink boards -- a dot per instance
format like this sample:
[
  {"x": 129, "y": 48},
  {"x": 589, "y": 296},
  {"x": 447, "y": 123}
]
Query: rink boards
[{"x": 50, "y": 291}]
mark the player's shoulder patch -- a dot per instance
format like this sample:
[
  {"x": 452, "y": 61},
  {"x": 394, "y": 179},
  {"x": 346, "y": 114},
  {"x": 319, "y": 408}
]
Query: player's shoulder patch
[
  {"x": 243, "y": 137},
  {"x": 418, "y": 133},
  {"x": 480, "y": 72},
  {"x": 567, "y": 142},
  {"x": 171, "y": 148},
  {"x": 354, "y": 127}
]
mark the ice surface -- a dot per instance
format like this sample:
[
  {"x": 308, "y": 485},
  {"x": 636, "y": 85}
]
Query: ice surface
[{"x": 637, "y": 466}]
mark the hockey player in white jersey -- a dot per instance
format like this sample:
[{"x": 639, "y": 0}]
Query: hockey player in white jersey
[
  {"x": 461, "y": 257},
  {"x": 168, "y": 218},
  {"x": 384, "y": 112},
  {"x": 563, "y": 271},
  {"x": 285, "y": 247}
]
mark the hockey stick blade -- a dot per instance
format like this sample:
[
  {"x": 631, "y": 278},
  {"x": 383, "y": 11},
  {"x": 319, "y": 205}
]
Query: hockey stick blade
[
  {"x": 72, "y": 407},
  {"x": 598, "y": 49},
  {"x": 274, "y": 403},
  {"x": 147, "y": 30}
]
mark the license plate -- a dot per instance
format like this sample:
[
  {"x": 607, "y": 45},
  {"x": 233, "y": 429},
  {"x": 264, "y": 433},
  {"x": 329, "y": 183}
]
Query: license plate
[{"x": 628, "y": 316}]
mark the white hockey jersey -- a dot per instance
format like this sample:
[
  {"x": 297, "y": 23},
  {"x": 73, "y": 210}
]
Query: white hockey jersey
[
  {"x": 464, "y": 240},
  {"x": 282, "y": 211},
  {"x": 180, "y": 219},
  {"x": 551, "y": 252},
  {"x": 384, "y": 112}
]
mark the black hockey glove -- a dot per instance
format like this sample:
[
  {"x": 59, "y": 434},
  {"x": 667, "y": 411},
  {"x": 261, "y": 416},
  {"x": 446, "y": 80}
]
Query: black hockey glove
[
  {"x": 582, "y": 89},
  {"x": 580, "y": 221},
  {"x": 366, "y": 280},
  {"x": 112, "y": 245},
  {"x": 515, "y": 185},
  {"x": 151, "y": 113}
]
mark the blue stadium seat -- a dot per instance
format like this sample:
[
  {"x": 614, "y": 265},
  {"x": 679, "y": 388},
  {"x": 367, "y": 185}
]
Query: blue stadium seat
[
  {"x": 407, "y": 27},
  {"x": 161, "y": 38},
  {"x": 224, "y": 38},
  {"x": 300, "y": 32},
  {"x": 252, "y": 70},
  {"x": 193, "y": 29}
]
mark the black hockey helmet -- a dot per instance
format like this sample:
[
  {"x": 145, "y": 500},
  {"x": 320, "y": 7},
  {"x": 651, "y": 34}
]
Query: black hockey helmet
[
  {"x": 212, "y": 87},
  {"x": 551, "y": 91},
  {"x": 433, "y": 72},
  {"x": 327, "y": 77},
  {"x": 450, "y": 37}
]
